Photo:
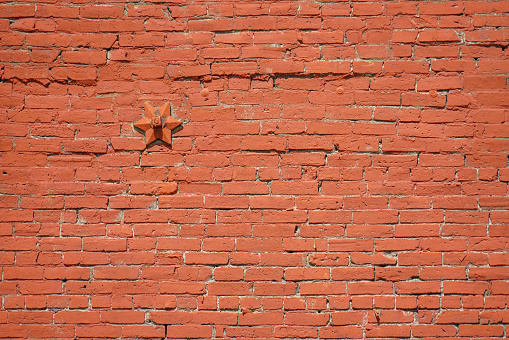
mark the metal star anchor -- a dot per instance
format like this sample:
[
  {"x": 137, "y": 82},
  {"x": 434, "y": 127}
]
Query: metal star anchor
[{"x": 157, "y": 123}]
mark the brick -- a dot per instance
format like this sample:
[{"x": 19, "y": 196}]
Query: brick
[
  {"x": 274, "y": 289},
  {"x": 84, "y": 57},
  {"x": 99, "y": 331},
  {"x": 204, "y": 258},
  {"x": 263, "y": 274},
  {"x": 462, "y": 317},
  {"x": 78, "y": 74},
  {"x": 388, "y": 331},
  {"x": 30, "y": 317},
  {"x": 294, "y": 331},
  {"x": 480, "y": 330},
  {"x": 37, "y": 287},
  {"x": 143, "y": 330},
  {"x": 17, "y": 11},
  {"x": 77, "y": 317},
  {"x": 318, "y": 288},
  {"x": 306, "y": 274},
  {"x": 211, "y": 25},
  {"x": 102, "y": 12},
  {"x": 335, "y": 332},
  {"x": 306, "y": 319},
  {"x": 123, "y": 317},
  {"x": 267, "y": 318},
  {"x": 144, "y": 188}
]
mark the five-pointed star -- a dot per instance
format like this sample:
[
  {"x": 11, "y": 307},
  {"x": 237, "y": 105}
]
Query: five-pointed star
[{"x": 157, "y": 123}]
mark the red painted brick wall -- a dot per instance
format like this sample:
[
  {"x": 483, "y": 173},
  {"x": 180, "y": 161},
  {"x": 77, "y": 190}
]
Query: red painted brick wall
[{"x": 345, "y": 176}]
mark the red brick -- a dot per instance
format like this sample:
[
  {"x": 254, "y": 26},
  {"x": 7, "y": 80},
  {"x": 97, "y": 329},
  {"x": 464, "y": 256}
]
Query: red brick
[
  {"x": 388, "y": 331},
  {"x": 17, "y": 11},
  {"x": 99, "y": 331},
  {"x": 454, "y": 317},
  {"x": 77, "y": 317},
  {"x": 123, "y": 317},
  {"x": 275, "y": 289},
  {"x": 266, "y": 318},
  {"x": 306, "y": 319},
  {"x": 480, "y": 330},
  {"x": 263, "y": 274},
  {"x": 294, "y": 331},
  {"x": 319, "y": 288},
  {"x": 206, "y": 258},
  {"x": 228, "y": 274},
  {"x": 306, "y": 274},
  {"x": 30, "y": 317},
  {"x": 143, "y": 330},
  {"x": 335, "y": 332}
]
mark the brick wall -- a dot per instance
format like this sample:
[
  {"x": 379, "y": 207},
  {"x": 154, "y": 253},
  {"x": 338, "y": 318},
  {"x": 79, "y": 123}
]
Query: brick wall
[{"x": 341, "y": 170}]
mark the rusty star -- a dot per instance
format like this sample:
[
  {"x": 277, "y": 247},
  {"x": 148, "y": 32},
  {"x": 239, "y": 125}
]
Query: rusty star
[{"x": 157, "y": 123}]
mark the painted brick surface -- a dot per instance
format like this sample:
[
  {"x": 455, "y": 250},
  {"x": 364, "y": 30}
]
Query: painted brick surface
[{"x": 341, "y": 170}]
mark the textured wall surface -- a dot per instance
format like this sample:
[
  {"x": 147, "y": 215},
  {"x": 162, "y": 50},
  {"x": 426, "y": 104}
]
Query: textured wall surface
[{"x": 341, "y": 170}]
